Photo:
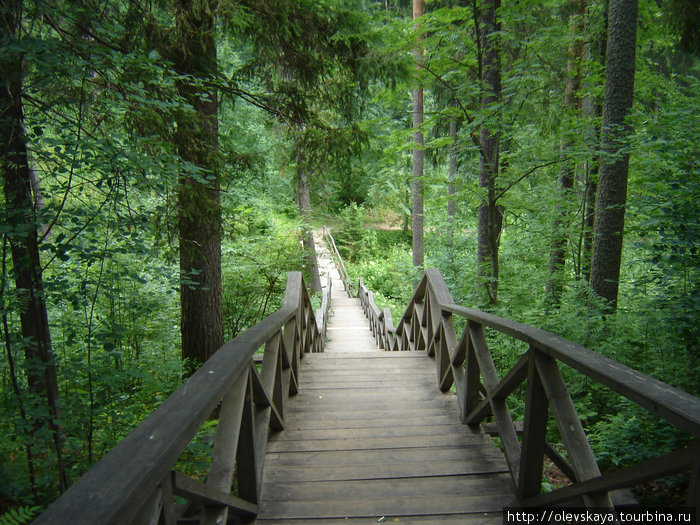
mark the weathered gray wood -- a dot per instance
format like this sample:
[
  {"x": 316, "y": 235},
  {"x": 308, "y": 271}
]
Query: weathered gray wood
[
  {"x": 197, "y": 491},
  {"x": 499, "y": 483},
  {"x": 672, "y": 463},
  {"x": 560, "y": 462},
  {"x": 473, "y": 375},
  {"x": 479, "y": 518},
  {"x": 268, "y": 371},
  {"x": 694, "y": 488},
  {"x": 676, "y": 406},
  {"x": 388, "y": 432},
  {"x": 570, "y": 428},
  {"x": 246, "y": 460},
  {"x": 336, "y": 254},
  {"x": 225, "y": 446},
  {"x": 362, "y": 443},
  {"x": 389, "y": 469},
  {"x": 498, "y": 406},
  {"x": 151, "y": 511},
  {"x": 168, "y": 515},
  {"x": 398, "y": 506},
  {"x": 328, "y": 420},
  {"x": 512, "y": 380},
  {"x": 374, "y": 456},
  {"x": 535, "y": 432},
  {"x": 424, "y": 326},
  {"x": 358, "y": 436},
  {"x": 263, "y": 399},
  {"x": 289, "y": 362}
]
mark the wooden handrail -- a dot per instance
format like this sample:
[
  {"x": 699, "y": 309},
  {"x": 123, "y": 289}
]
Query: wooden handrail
[
  {"x": 135, "y": 482},
  {"x": 349, "y": 286},
  {"x": 466, "y": 362}
]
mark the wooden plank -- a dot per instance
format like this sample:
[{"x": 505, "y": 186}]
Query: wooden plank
[
  {"x": 499, "y": 483},
  {"x": 673, "y": 463},
  {"x": 225, "y": 446},
  {"x": 676, "y": 406},
  {"x": 472, "y": 377},
  {"x": 570, "y": 428},
  {"x": 388, "y": 432},
  {"x": 376, "y": 382},
  {"x": 498, "y": 406},
  {"x": 388, "y": 470},
  {"x": 362, "y": 358},
  {"x": 333, "y": 406},
  {"x": 366, "y": 443},
  {"x": 429, "y": 418},
  {"x": 417, "y": 391},
  {"x": 508, "y": 384},
  {"x": 269, "y": 363},
  {"x": 246, "y": 455},
  {"x": 478, "y": 518},
  {"x": 397, "y": 506},
  {"x": 262, "y": 399},
  {"x": 168, "y": 513},
  {"x": 374, "y": 456},
  {"x": 197, "y": 491},
  {"x": 311, "y": 378},
  {"x": 350, "y": 396},
  {"x": 372, "y": 429},
  {"x": 535, "y": 433},
  {"x": 271, "y": 379},
  {"x": 375, "y": 418}
]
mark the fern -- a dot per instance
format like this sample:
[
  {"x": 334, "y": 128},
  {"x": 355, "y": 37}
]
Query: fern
[{"x": 19, "y": 516}]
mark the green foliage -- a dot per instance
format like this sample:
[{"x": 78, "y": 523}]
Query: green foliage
[
  {"x": 100, "y": 100},
  {"x": 255, "y": 269},
  {"x": 355, "y": 240},
  {"x": 19, "y": 516}
]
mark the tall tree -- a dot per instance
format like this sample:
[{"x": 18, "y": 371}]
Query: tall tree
[
  {"x": 612, "y": 186},
  {"x": 452, "y": 171},
  {"x": 23, "y": 222},
  {"x": 199, "y": 212},
  {"x": 557, "y": 256},
  {"x": 490, "y": 214},
  {"x": 418, "y": 154},
  {"x": 593, "y": 53},
  {"x": 307, "y": 239}
]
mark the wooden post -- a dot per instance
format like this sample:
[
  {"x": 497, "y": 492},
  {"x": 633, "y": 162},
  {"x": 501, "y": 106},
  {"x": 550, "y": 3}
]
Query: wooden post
[{"x": 535, "y": 430}]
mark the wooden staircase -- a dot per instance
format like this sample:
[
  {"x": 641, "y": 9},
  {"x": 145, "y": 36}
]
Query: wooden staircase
[
  {"x": 369, "y": 437},
  {"x": 315, "y": 425}
]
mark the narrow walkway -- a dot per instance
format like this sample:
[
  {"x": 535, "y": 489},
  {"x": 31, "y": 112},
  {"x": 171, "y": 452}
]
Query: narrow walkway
[
  {"x": 347, "y": 330},
  {"x": 369, "y": 438}
]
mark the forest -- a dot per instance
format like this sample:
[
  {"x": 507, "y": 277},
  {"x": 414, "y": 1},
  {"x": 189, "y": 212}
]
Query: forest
[{"x": 165, "y": 163}]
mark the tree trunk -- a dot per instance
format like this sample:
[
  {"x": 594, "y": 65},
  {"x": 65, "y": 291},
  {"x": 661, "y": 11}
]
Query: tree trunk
[
  {"x": 417, "y": 183},
  {"x": 304, "y": 203},
  {"x": 23, "y": 237},
  {"x": 593, "y": 49},
  {"x": 199, "y": 211},
  {"x": 452, "y": 172},
  {"x": 490, "y": 214},
  {"x": 557, "y": 256},
  {"x": 612, "y": 187}
]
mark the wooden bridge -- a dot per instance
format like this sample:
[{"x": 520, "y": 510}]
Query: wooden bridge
[{"x": 348, "y": 419}]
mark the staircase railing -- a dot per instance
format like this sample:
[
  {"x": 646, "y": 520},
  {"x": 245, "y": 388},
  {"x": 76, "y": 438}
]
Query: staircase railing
[
  {"x": 466, "y": 361},
  {"x": 136, "y": 482},
  {"x": 380, "y": 321},
  {"x": 349, "y": 286}
]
